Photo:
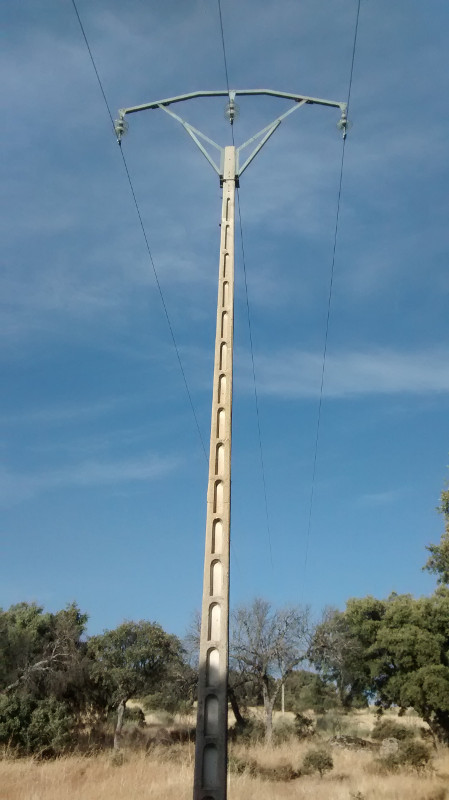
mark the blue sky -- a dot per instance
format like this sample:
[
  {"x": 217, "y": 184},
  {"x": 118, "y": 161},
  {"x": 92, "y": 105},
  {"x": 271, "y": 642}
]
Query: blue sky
[{"x": 103, "y": 482}]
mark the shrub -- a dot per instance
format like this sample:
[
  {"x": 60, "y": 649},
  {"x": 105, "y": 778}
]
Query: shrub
[
  {"x": 35, "y": 727},
  {"x": 50, "y": 729},
  {"x": 415, "y": 754},
  {"x": 252, "y": 732},
  {"x": 135, "y": 714},
  {"x": 304, "y": 726},
  {"x": 319, "y": 760},
  {"x": 331, "y": 723},
  {"x": 412, "y": 754},
  {"x": 389, "y": 729},
  {"x": 283, "y": 731}
]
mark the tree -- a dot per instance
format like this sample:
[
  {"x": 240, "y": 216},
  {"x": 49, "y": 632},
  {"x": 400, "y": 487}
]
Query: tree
[
  {"x": 338, "y": 653},
  {"x": 43, "y": 677},
  {"x": 305, "y": 690},
  {"x": 266, "y": 646},
  {"x": 438, "y": 563},
  {"x": 130, "y": 661},
  {"x": 403, "y": 651}
]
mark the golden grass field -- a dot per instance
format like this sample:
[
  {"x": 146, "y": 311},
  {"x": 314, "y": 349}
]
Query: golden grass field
[{"x": 165, "y": 773}]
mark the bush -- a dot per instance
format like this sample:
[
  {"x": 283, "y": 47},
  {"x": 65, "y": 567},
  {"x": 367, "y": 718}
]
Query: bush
[
  {"x": 35, "y": 727},
  {"x": 283, "y": 731},
  {"x": 331, "y": 723},
  {"x": 304, "y": 726},
  {"x": 415, "y": 754},
  {"x": 412, "y": 754},
  {"x": 389, "y": 729},
  {"x": 319, "y": 760},
  {"x": 252, "y": 732},
  {"x": 135, "y": 714}
]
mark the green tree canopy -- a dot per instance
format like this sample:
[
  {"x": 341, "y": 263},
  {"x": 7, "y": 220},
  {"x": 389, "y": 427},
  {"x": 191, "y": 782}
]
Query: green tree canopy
[
  {"x": 43, "y": 677},
  {"x": 402, "y": 647},
  {"x": 438, "y": 562},
  {"x": 130, "y": 661}
]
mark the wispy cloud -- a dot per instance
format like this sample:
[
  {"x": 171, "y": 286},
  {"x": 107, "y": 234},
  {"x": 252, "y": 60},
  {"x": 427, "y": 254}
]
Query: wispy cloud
[
  {"x": 379, "y": 499},
  {"x": 16, "y": 487},
  {"x": 292, "y": 373},
  {"x": 60, "y": 414}
]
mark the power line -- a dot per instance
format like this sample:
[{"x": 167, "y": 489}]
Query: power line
[
  {"x": 256, "y": 397},
  {"x": 223, "y": 45},
  {"x": 147, "y": 244},
  {"x": 329, "y": 301}
]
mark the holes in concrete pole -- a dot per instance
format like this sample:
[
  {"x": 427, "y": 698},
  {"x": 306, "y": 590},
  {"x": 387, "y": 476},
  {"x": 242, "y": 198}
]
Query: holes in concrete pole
[
  {"x": 224, "y": 325},
  {"x": 211, "y": 715},
  {"x": 221, "y": 423},
  {"x": 223, "y": 355},
  {"x": 217, "y": 536},
  {"x": 210, "y": 766},
  {"x": 221, "y": 388},
  {"x": 225, "y": 265},
  {"x": 219, "y": 459},
  {"x": 227, "y": 208},
  {"x": 225, "y": 293},
  {"x": 226, "y": 234},
  {"x": 218, "y": 497},
  {"x": 216, "y": 578},
  {"x": 213, "y": 667},
  {"x": 214, "y": 622}
]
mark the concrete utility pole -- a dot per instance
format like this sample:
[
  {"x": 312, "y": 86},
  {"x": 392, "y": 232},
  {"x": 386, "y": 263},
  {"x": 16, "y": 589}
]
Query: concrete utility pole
[{"x": 212, "y": 716}]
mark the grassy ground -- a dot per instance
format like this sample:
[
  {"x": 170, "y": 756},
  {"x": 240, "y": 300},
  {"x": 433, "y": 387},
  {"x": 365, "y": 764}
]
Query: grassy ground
[
  {"x": 165, "y": 773},
  {"x": 157, "y": 778}
]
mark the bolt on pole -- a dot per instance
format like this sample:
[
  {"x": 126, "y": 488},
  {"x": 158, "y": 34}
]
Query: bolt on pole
[{"x": 210, "y": 777}]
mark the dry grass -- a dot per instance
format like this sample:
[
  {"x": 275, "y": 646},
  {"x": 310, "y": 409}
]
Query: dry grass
[{"x": 167, "y": 774}]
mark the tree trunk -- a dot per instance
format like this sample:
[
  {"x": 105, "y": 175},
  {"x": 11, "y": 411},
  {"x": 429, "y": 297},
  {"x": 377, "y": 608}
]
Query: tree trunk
[
  {"x": 235, "y": 707},
  {"x": 268, "y": 706},
  {"x": 439, "y": 725},
  {"x": 119, "y": 726}
]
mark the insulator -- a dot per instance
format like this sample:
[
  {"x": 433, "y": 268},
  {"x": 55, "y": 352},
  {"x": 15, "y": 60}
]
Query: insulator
[
  {"x": 231, "y": 111},
  {"x": 121, "y": 127}
]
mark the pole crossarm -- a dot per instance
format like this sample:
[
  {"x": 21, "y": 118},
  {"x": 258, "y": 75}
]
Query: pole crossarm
[
  {"x": 265, "y": 133},
  {"x": 225, "y": 93}
]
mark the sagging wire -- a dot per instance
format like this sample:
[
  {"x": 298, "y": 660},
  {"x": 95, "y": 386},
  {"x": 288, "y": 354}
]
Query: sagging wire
[{"x": 145, "y": 236}]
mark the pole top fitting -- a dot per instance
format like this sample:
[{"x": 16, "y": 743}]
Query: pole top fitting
[
  {"x": 343, "y": 123},
  {"x": 120, "y": 126},
  {"x": 232, "y": 110}
]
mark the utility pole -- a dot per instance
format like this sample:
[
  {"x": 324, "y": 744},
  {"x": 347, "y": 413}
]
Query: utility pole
[{"x": 212, "y": 715}]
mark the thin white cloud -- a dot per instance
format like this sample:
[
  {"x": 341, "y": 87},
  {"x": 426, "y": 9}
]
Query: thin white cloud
[
  {"x": 60, "y": 414},
  {"x": 16, "y": 487},
  {"x": 291, "y": 373},
  {"x": 379, "y": 499}
]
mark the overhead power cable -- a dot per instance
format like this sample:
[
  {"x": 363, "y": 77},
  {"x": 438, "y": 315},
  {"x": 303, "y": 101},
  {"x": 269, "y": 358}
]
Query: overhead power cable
[
  {"x": 145, "y": 236},
  {"x": 329, "y": 301},
  {"x": 256, "y": 397}
]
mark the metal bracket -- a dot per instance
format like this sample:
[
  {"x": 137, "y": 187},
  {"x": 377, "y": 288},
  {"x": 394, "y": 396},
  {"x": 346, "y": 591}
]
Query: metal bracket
[
  {"x": 265, "y": 133},
  {"x": 194, "y": 133},
  {"x": 269, "y": 130}
]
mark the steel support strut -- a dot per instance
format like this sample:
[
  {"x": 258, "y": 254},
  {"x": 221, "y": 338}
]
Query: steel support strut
[{"x": 212, "y": 720}]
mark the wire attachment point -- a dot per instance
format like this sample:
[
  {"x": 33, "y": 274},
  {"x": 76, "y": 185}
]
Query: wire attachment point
[
  {"x": 121, "y": 128},
  {"x": 231, "y": 111},
  {"x": 343, "y": 124}
]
